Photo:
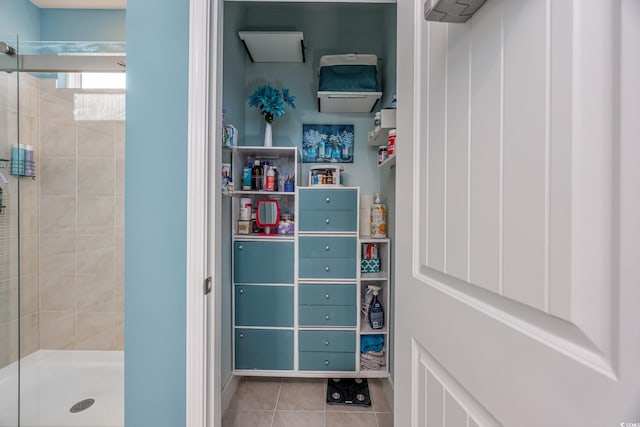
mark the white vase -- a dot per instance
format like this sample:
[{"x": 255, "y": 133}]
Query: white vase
[{"x": 268, "y": 139}]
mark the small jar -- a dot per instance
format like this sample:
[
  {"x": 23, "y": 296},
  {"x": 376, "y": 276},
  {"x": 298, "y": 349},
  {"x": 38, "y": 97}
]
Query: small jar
[
  {"x": 376, "y": 122},
  {"x": 382, "y": 153},
  {"x": 244, "y": 227}
]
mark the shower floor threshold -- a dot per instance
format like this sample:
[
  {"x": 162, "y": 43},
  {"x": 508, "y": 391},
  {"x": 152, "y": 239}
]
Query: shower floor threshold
[{"x": 53, "y": 381}]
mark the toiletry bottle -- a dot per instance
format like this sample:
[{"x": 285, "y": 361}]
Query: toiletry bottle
[
  {"x": 269, "y": 183},
  {"x": 256, "y": 176},
  {"x": 376, "y": 313},
  {"x": 276, "y": 185},
  {"x": 246, "y": 176},
  {"x": 28, "y": 161},
  {"x": 378, "y": 221},
  {"x": 265, "y": 170},
  {"x": 376, "y": 122}
]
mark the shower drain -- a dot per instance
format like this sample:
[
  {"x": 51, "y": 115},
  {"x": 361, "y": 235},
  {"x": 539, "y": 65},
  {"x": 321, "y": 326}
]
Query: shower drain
[{"x": 82, "y": 405}]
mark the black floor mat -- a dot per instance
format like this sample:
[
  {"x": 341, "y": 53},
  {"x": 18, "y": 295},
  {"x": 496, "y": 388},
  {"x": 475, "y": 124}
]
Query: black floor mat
[{"x": 349, "y": 391}]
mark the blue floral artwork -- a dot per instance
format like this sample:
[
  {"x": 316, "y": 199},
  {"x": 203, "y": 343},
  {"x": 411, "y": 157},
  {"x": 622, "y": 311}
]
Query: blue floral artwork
[{"x": 327, "y": 143}]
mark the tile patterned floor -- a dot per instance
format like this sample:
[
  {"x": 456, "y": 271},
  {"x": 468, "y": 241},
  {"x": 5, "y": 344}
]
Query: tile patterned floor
[{"x": 296, "y": 402}]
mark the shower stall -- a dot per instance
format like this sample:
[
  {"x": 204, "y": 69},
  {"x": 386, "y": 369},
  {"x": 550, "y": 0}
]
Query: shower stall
[{"x": 62, "y": 116}]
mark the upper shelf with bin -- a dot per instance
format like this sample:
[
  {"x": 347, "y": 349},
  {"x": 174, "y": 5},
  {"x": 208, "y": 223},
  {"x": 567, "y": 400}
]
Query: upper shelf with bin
[{"x": 348, "y": 83}]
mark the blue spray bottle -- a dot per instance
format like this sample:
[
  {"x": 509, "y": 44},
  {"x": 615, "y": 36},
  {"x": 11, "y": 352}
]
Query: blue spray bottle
[{"x": 376, "y": 313}]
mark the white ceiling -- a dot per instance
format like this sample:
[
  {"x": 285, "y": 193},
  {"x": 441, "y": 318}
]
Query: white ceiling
[{"x": 80, "y": 4}]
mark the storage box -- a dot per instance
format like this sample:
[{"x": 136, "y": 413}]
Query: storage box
[
  {"x": 348, "y": 73},
  {"x": 371, "y": 265}
]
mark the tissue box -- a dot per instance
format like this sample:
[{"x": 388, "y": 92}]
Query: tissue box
[{"x": 370, "y": 265}]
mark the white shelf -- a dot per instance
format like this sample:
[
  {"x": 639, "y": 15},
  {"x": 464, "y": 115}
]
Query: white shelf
[
  {"x": 263, "y": 193},
  {"x": 379, "y": 137},
  {"x": 374, "y": 276},
  {"x": 371, "y": 373},
  {"x": 366, "y": 329},
  {"x": 273, "y": 46},
  {"x": 347, "y": 102},
  {"x": 257, "y": 236},
  {"x": 389, "y": 162}
]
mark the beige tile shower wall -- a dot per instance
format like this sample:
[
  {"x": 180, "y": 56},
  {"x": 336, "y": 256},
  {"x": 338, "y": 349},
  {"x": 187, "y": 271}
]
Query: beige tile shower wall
[{"x": 81, "y": 226}]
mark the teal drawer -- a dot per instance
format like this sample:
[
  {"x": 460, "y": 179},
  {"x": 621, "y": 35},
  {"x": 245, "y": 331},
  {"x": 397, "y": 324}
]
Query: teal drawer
[
  {"x": 329, "y": 199},
  {"x": 328, "y": 220},
  {"x": 265, "y": 349},
  {"x": 312, "y": 294},
  {"x": 327, "y": 361},
  {"x": 341, "y": 341},
  {"x": 327, "y": 268},
  {"x": 263, "y": 262},
  {"x": 327, "y": 247},
  {"x": 327, "y": 315},
  {"x": 264, "y": 305}
]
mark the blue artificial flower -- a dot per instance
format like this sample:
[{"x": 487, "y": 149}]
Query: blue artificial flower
[{"x": 271, "y": 102}]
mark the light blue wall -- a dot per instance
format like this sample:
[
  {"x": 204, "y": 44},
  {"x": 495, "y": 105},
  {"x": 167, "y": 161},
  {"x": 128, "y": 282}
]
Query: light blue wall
[
  {"x": 155, "y": 213},
  {"x": 82, "y": 25},
  {"x": 20, "y": 17},
  {"x": 329, "y": 28},
  {"x": 33, "y": 24}
]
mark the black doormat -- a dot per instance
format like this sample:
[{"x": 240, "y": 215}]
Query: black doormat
[{"x": 348, "y": 391}]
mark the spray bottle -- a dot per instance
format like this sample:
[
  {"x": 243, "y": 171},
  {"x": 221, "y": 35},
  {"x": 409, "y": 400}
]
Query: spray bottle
[{"x": 376, "y": 313}]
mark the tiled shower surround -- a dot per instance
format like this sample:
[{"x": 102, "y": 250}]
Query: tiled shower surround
[{"x": 71, "y": 221}]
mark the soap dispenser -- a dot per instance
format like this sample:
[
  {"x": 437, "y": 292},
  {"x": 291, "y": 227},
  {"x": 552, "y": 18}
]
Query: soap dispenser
[{"x": 378, "y": 219}]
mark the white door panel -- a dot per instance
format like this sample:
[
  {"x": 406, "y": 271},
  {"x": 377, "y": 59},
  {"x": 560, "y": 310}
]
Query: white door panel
[{"x": 515, "y": 302}]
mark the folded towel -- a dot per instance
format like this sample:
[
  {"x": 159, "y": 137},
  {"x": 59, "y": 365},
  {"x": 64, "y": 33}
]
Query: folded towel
[
  {"x": 377, "y": 359},
  {"x": 371, "y": 343},
  {"x": 367, "y": 364}
]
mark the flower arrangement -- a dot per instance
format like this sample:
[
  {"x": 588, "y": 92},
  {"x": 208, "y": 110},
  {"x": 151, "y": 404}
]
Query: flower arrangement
[{"x": 271, "y": 102}]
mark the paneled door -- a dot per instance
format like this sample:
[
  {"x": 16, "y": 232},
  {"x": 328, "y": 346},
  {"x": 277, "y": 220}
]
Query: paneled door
[{"x": 518, "y": 275}]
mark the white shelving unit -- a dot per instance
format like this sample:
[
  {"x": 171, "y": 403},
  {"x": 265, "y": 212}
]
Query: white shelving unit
[
  {"x": 286, "y": 159},
  {"x": 382, "y": 279}
]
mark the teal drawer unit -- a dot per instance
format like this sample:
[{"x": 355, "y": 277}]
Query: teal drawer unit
[
  {"x": 327, "y": 294},
  {"x": 264, "y": 305},
  {"x": 327, "y": 361},
  {"x": 263, "y": 262},
  {"x": 327, "y": 257},
  {"x": 327, "y": 315},
  {"x": 327, "y": 341},
  {"x": 264, "y": 349},
  {"x": 328, "y": 210},
  {"x": 329, "y": 199},
  {"x": 327, "y": 247}
]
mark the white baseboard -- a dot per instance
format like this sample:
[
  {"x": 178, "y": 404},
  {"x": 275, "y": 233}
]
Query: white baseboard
[{"x": 228, "y": 391}]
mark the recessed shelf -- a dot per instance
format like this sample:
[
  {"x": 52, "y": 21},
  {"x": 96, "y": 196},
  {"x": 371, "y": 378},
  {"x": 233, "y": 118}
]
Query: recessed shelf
[
  {"x": 374, "y": 276},
  {"x": 366, "y": 329}
]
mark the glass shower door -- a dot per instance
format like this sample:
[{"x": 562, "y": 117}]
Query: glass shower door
[{"x": 9, "y": 243}]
